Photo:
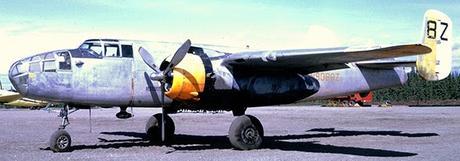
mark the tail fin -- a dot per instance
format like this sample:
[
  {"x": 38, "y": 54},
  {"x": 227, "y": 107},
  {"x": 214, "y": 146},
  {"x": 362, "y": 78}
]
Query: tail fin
[{"x": 437, "y": 34}]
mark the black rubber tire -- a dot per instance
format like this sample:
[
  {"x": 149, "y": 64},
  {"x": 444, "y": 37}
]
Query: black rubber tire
[
  {"x": 246, "y": 133},
  {"x": 60, "y": 141},
  {"x": 123, "y": 115},
  {"x": 153, "y": 128},
  {"x": 239, "y": 111}
]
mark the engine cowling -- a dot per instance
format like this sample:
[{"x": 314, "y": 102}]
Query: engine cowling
[{"x": 188, "y": 79}]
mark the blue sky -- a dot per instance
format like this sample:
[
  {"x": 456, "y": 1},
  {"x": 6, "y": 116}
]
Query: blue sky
[{"x": 28, "y": 27}]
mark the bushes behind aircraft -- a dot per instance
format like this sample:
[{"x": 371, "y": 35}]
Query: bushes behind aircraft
[{"x": 420, "y": 92}]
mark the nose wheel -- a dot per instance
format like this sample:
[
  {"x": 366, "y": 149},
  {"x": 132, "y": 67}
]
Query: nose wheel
[
  {"x": 60, "y": 140},
  {"x": 246, "y": 133}
]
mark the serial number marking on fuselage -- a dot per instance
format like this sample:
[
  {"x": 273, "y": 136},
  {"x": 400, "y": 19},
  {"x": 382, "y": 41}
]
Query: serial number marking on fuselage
[{"x": 326, "y": 76}]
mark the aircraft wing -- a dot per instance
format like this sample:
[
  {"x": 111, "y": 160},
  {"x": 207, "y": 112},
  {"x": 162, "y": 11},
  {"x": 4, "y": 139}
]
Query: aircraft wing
[
  {"x": 314, "y": 60},
  {"x": 24, "y": 102},
  {"x": 387, "y": 64},
  {"x": 7, "y": 96}
]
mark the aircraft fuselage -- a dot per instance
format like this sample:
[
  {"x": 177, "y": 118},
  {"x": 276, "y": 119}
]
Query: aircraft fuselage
[{"x": 88, "y": 77}]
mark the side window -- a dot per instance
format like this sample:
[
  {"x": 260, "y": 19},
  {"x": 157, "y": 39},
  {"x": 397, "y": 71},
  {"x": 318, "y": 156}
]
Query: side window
[
  {"x": 34, "y": 66},
  {"x": 23, "y": 66},
  {"x": 112, "y": 50},
  {"x": 64, "y": 61},
  {"x": 127, "y": 51},
  {"x": 49, "y": 64}
]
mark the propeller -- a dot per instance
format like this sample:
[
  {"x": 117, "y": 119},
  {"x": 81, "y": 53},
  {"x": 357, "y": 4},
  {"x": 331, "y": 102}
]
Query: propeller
[
  {"x": 161, "y": 77},
  {"x": 148, "y": 59},
  {"x": 178, "y": 56}
]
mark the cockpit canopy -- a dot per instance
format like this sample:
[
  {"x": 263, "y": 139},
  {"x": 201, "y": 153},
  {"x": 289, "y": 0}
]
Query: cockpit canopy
[
  {"x": 60, "y": 60},
  {"x": 49, "y": 62},
  {"x": 108, "y": 47}
]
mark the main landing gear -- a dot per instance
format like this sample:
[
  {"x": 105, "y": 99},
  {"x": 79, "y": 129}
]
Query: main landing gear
[
  {"x": 153, "y": 129},
  {"x": 246, "y": 132},
  {"x": 60, "y": 141}
]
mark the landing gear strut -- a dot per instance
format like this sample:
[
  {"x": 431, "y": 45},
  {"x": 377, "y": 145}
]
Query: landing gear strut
[
  {"x": 123, "y": 114},
  {"x": 154, "y": 126},
  {"x": 60, "y": 141},
  {"x": 246, "y": 132}
]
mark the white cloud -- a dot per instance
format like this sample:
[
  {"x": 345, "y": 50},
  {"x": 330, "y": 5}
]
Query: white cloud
[
  {"x": 277, "y": 37},
  {"x": 320, "y": 36},
  {"x": 17, "y": 45}
]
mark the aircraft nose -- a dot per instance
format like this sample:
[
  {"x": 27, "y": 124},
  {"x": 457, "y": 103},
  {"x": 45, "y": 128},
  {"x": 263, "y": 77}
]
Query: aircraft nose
[{"x": 19, "y": 77}]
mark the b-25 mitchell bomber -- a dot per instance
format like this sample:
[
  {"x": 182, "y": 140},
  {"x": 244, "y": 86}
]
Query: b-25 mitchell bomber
[{"x": 109, "y": 72}]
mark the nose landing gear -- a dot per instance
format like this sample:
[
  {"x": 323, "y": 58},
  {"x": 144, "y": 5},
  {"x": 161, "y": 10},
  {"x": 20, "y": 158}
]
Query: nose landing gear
[{"x": 61, "y": 141}]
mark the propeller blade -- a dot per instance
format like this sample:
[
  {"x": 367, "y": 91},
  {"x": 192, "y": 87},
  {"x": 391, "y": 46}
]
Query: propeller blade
[
  {"x": 148, "y": 59},
  {"x": 179, "y": 55}
]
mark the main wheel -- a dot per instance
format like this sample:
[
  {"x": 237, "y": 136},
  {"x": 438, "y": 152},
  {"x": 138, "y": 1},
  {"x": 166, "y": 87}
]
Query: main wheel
[
  {"x": 239, "y": 111},
  {"x": 60, "y": 141},
  {"x": 153, "y": 128},
  {"x": 246, "y": 132}
]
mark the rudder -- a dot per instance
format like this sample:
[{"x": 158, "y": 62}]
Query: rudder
[{"x": 437, "y": 34}]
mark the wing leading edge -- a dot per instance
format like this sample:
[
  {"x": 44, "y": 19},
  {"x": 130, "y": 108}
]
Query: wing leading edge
[{"x": 314, "y": 60}]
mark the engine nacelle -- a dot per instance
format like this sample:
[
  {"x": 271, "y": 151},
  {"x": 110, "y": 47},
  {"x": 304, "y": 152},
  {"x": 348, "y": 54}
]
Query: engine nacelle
[
  {"x": 188, "y": 79},
  {"x": 276, "y": 88}
]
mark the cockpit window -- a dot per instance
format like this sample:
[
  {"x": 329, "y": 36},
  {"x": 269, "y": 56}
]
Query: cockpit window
[
  {"x": 96, "y": 47},
  {"x": 106, "y": 48},
  {"x": 112, "y": 50},
  {"x": 64, "y": 61},
  {"x": 127, "y": 51},
  {"x": 14, "y": 71},
  {"x": 35, "y": 58},
  {"x": 23, "y": 66},
  {"x": 20, "y": 67},
  {"x": 49, "y": 56}
]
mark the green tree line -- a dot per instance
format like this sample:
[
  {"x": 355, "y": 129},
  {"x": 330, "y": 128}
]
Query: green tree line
[{"x": 420, "y": 92}]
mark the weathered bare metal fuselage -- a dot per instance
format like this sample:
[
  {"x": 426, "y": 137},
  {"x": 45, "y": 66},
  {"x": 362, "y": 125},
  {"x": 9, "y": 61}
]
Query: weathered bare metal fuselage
[{"x": 123, "y": 81}]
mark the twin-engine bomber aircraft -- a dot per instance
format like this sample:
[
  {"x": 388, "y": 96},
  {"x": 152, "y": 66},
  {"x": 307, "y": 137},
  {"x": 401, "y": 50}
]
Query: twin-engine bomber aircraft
[{"x": 108, "y": 72}]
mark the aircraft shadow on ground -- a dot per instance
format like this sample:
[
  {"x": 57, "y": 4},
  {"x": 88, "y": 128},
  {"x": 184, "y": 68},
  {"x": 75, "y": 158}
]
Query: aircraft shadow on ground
[{"x": 286, "y": 142}]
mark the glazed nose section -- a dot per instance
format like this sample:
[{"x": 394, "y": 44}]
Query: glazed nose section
[{"x": 18, "y": 76}]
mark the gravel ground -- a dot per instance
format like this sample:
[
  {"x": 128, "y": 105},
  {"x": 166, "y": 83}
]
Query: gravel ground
[{"x": 292, "y": 133}]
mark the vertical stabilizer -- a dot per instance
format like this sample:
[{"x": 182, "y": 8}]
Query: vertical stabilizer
[{"x": 437, "y": 34}]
